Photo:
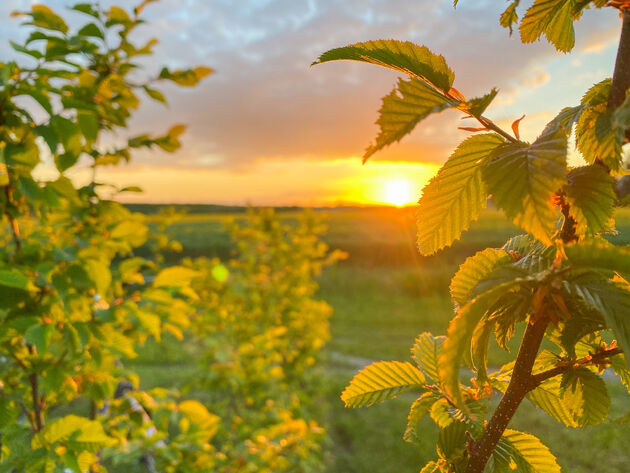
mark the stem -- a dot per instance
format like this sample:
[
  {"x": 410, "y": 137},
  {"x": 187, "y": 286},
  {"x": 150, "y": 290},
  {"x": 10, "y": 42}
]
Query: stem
[
  {"x": 13, "y": 223},
  {"x": 603, "y": 355},
  {"x": 37, "y": 401},
  {"x": 520, "y": 385},
  {"x": 621, "y": 76}
]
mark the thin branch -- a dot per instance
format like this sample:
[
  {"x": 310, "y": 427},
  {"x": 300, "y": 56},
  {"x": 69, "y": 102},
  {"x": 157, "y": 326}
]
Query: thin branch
[
  {"x": 621, "y": 76},
  {"x": 37, "y": 400},
  {"x": 593, "y": 359},
  {"x": 518, "y": 388}
]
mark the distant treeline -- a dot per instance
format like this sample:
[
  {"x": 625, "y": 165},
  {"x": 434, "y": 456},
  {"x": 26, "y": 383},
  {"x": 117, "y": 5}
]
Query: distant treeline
[{"x": 191, "y": 209}]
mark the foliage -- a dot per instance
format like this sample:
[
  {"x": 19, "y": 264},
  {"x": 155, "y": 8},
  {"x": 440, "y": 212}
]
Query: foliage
[
  {"x": 76, "y": 300},
  {"x": 259, "y": 330},
  {"x": 561, "y": 280}
]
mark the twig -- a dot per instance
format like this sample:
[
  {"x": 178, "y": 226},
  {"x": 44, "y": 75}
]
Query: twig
[
  {"x": 518, "y": 388},
  {"x": 595, "y": 358}
]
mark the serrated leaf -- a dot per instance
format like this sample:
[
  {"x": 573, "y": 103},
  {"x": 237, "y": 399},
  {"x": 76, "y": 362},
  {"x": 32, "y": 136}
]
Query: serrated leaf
[
  {"x": 381, "y": 381},
  {"x": 523, "y": 178},
  {"x": 456, "y": 196},
  {"x": 478, "y": 105},
  {"x": 459, "y": 335},
  {"x": 560, "y": 31},
  {"x": 426, "y": 352},
  {"x": 408, "y": 104},
  {"x": 600, "y": 131},
  {"x": 529, "y": 454},
  {"x": 452, "y": 440},
  {"x": 621, "y": 368},
  {"x": 598, "y": 255},
  {"x": 553, "y": 18},
  {"x": 509, "y": 17},
  {"x": 402, "y": 56},
  {"x": 419, "y": 409},
  {"x": 586, "y": 395},
  {"x": 474, "y": 270},
  {"x": 612, "y": 300},
  {"x": 591, "y": 197}
]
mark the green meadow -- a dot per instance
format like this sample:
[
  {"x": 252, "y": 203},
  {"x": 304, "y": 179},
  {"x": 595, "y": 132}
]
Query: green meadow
[{"x": 383, "y": 295}]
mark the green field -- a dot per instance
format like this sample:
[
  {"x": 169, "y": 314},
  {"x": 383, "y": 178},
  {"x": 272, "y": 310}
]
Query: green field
[{"x": 383, "y": 295}]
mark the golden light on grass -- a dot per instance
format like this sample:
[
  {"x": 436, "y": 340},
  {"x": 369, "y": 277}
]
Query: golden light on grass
[{"x": 399, "y": 192}]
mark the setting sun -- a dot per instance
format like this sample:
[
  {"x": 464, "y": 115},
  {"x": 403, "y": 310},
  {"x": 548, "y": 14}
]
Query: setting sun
[{"x": 399, "y": 192}]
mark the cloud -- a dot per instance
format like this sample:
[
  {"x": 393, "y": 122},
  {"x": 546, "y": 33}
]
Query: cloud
[{"x": 266, "y": 104}]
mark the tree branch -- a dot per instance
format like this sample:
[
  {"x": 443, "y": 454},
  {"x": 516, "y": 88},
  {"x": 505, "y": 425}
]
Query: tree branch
[
  {"x": 517, "y": 389},
  {"x": 621, "y": 76},
  {"x": 38, "y": 416},
  {"x": 595, "y": 358}
]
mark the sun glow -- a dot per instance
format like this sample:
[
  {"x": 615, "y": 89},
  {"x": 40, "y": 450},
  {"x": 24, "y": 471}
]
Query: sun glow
[{"x": 399, "y": 192}]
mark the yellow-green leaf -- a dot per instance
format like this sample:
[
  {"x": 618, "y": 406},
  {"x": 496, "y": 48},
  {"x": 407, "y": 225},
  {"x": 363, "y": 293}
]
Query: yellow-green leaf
[
  {"x": 403, "y": 56},
  {"x": 408, "y": 104},
  {"x": 381, "y": 381},
  {"x": 523, "y": 178},
  {"x": 456, "y": 196}
]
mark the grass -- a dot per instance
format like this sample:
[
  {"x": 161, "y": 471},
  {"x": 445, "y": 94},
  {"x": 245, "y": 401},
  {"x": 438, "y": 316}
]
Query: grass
[{"x": 383, "y": 296}]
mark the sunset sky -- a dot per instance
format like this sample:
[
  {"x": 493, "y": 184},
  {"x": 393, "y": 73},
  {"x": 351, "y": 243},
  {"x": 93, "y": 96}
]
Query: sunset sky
[{"x": 268, "y": 129}]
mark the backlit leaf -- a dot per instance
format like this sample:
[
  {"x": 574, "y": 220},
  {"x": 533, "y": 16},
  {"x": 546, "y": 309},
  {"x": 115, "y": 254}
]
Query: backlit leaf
[
  {"x": 523, "y": 178},
  {"x": 426, "y": 352},
  {"x": 529, "y": 453},
  {"x": 402, "y": 56},
  {"x": 419, "y": 409},
  {"x": 381, "y": 381},
  {"x": 474, "y": 270},
  {"x": 456, "y": 196},
  {"x": 591, "y": 197},
  {"x": 403, "y": 109}
]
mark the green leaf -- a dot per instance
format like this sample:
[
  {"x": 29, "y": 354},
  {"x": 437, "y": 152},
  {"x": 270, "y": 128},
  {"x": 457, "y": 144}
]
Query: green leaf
[
  {"x": 81, "y": 429},
  {"x": 88, "y": 122},
  {"x": 402, "y": 56},
  {"x": 621, "y": 368},
  {"x": 509, "y": 17},
  {"x": 474, "y": 270},
  {"x": 586, "y": 395},
  {"x": 599, "y": 255},
  {"x": 459, "y": 335},
  {"x": 38, "y": 336},
  {"x": 456, "y": 196},
  {"x": 15, "y": 279},
  {"x": 477, "y": 106},
  {"x": 419, "y": 409},
  {"x": 68, "y": 133},
  {"x": 452, "y": 440},
  {"x": 175, "y": 276},
  {"x": 523, "y": 178},
  {"x": 99, "y": 273},
  {"x": 591, "y": 197},
  {"x": 86, "y": 8},
  {"x": 560, "y": 31},
  {"x": 381, "y": 381},
  {"x": 91, "y": 30},
  {"x": 408, "y": 104},
  {"x": 426, "y": 352},
  {"x": 155, "y": 94},
  {"x": 612, "y": 300},
  {"x": 528, "y": 453},
  {"x": 186, "y": 77},
  {"x": 553, "y": 18},
  {"x": 44, "y": 17},
  {"x": 600, "y": 131}
]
